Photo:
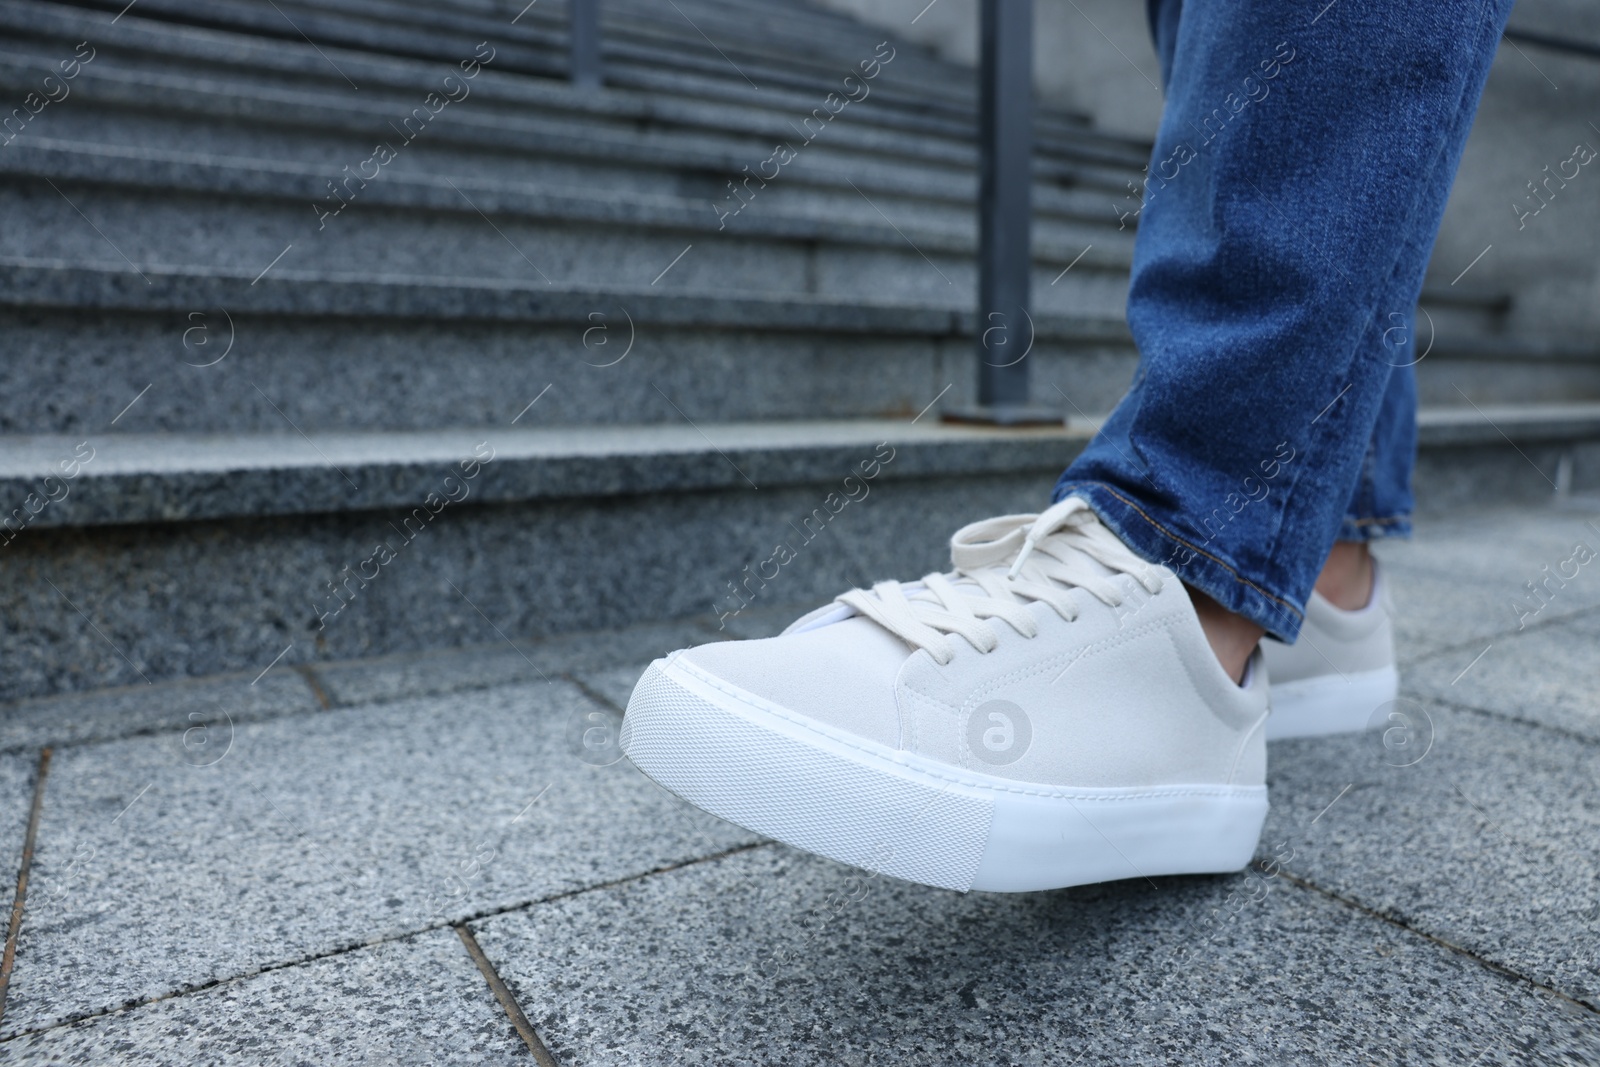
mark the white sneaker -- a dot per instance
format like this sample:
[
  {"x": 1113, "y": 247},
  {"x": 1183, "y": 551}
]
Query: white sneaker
[
  {"x": 1339, "y": 672},
  {"x": 1049, "y": 714}
]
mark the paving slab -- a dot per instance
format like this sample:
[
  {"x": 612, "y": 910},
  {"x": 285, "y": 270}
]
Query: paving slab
[
  {"x": 17, "y": 773},
  {"x": 1487, "y": 541},
  {"x": 774, "y": 957},
  {"x": 167, "y": 862},
  {"x": 167, "y": 705},
  {"x": 420, "y": 1000},
  {"x": 615, "y": 685},
  {"x": 1460, "y": 582},
  {"x": 124, "y": 711},
  {"x": 1470, "y": 828},
  {"x": 1436, "y": 614},
  {"x": 480, "y": 667},
  {"x": 1548, "y": 674}
]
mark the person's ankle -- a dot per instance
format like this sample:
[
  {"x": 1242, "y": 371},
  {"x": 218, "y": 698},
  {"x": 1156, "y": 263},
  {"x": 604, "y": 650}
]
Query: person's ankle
[
  {"x": 1347, "y": 578},
  {"x": 1232, "y": 637}
]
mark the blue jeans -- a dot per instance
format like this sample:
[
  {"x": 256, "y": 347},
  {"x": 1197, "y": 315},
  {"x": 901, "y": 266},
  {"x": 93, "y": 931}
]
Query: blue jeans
[{"x": 1291, "y": 204}]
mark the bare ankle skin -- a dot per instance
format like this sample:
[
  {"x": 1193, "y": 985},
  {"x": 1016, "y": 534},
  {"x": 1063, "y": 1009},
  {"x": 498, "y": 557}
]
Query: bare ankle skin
[
  {"x": 1232, "y": 637},
  {"x": 1346, "y": 579}
]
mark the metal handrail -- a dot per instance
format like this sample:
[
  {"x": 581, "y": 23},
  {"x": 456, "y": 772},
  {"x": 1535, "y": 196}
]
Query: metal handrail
[
  {"x": 584, "y": 41},
  {"x": 1004, "y": 329}
]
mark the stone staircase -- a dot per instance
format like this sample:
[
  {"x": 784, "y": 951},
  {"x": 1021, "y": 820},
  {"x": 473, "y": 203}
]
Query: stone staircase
[{"x": 569, "y": 356}]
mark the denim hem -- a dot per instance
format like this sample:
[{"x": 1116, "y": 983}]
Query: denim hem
[
  {"x": 1374, "y": 529},
  {"x": 1212, "y": 575}
]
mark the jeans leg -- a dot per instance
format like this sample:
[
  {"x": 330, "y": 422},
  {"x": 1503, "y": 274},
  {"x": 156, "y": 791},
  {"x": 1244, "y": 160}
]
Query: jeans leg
[
  {"x": 1163, "y": 16},
  {"x": 1381, "y": 502},
  {"x": 1297, "y": 181}
]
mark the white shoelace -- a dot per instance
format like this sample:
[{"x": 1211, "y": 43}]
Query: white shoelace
[{"x": 1049, "y": 555}]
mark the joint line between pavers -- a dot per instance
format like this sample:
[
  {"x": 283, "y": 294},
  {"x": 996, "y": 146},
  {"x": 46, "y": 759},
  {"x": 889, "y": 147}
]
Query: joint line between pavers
[
  {"x": 1509, "y": 718},
  {"x": 508, "y": 1001},
  {"x": 590, "y": 691},
  {"x": 1553, "y": 621},
  {"x": 356, "y": 946},
  {"x": 157, "y": 729},
  {"x": 315, "y": 684},
  {"x": 1460, "y": 950},
  {"x": 8, "y": 962}
]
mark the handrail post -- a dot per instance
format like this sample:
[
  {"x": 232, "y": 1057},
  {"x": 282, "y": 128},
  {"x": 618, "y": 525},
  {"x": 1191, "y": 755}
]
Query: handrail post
[
  {"x": 584, "y": 33},
  {"x": 1004, "y": 327}
]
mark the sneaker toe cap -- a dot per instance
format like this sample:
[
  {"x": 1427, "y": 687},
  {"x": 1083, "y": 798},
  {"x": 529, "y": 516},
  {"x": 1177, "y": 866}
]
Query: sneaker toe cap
[{"x": 842, "y": 675}]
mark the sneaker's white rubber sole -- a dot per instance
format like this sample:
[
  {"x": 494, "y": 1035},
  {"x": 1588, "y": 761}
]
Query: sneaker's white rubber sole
[
  {"x": 790, "y": 777},
  {"x": 1330, "y": 703}
]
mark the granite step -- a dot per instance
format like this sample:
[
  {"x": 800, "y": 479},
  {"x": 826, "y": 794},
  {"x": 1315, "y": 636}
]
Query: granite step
[
  {"x": 42, "y": 31},
  {"x": 768, "y": 38},
  {"x": 261, "y": 84},
  {"x": 177, "y": 477},
  {"x": 166, "y": 207},
  {"x": 706, "y": 77},
  {"x": 185, "y": 554},
  {"x": 220, "y": 352},
  {"x": 169, "y": 209},
  {"x": 514, "y": 145},
  {"x": 935, "y": 86},
  {"x": 326, "y": 352},
  {"x": 782, "y": 38},
  {"x": 132, "y": 478},
  {"x": 526, "y": 49},
  {"x": 1466, "y": 368}
]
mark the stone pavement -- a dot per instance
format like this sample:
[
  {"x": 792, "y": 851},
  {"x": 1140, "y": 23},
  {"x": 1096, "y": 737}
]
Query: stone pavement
[{"x": 420, "y": 860}]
